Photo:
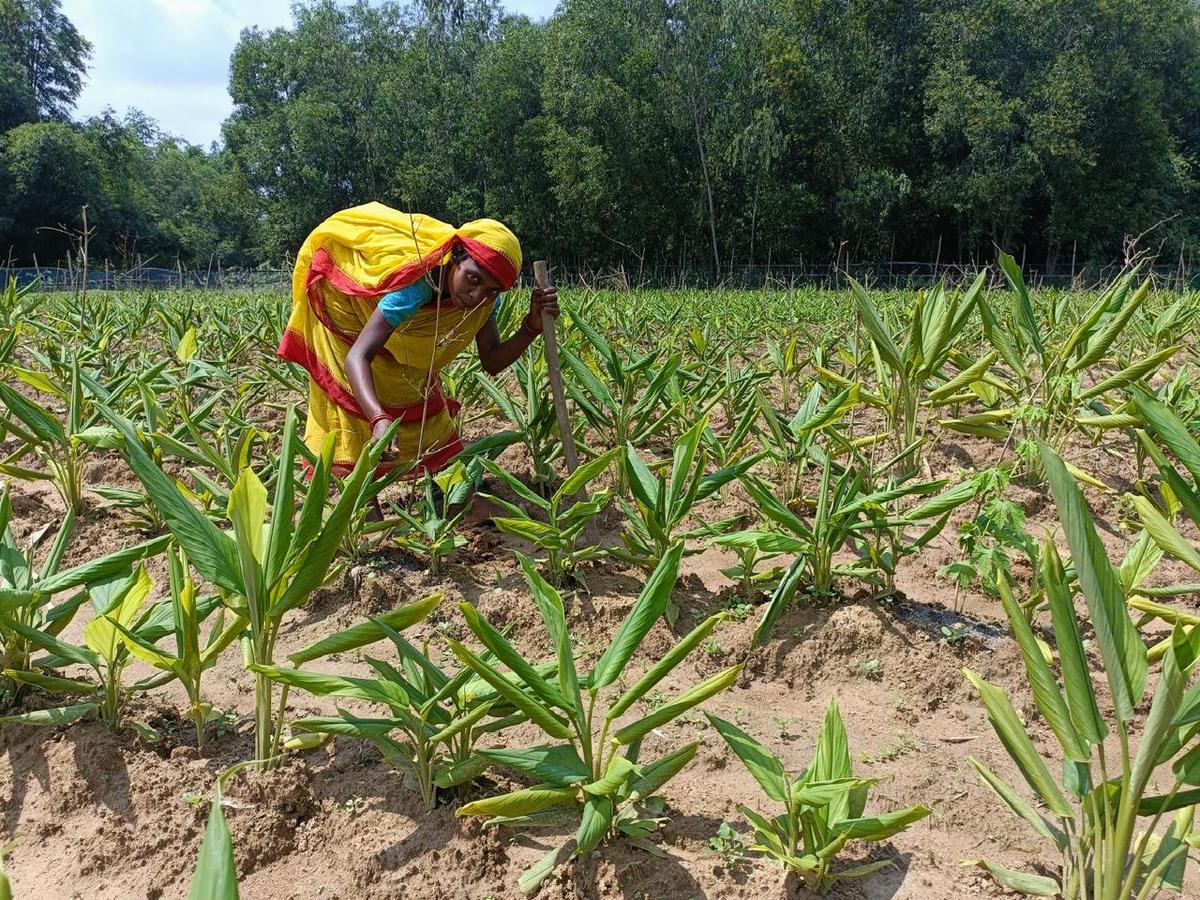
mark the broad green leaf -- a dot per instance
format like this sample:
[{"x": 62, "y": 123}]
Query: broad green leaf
[
  {"x": 1012, "y": 735},
  {"x": 781, "y": 598},
  {"x": 766, "y": 768},
  {"x": 1050, "y": 702},
  {"x": 522, "y": 802},
  {"x": 685, "y": 701},
  {"x": 873, "y": 322},
  {"x": 615, "y": 775},
  {"x": 650, "y": 605},
  {"x": 1019, "y": 805},
  {"x": 550, "y": 606},
  {"x": 577, "y": 480},
  {"x": 597, "y": 819},
  {"x": 47, "y": 428},
  {"x": 1120, "y": 645},
  {"x": 662, "y": 770},
  {"x": 209, "y": 549},
  {"x": 506, "y": 653},
  {"x": 215, "y": 877},
  {"x": 533, "y": 877},
  {"x": 336, "y": 686},
  {"x": 1169, "y": 429},
  {"x": 63, "y": 715},
  {"x": 1077, "y": 679},
  {"x": 883, "y": 826},
  {"x": 535, "y": 711},
  {"x": 664, "y": 666},
  {"x": 1022, "y": 882},
  {"x": 104, "y": 568},
  {"x": 51, "y": 644},
  {"x": 368, "y": 632},
  {"x": 1165, "y": 534},
  {"x": 557, "y": 764}
]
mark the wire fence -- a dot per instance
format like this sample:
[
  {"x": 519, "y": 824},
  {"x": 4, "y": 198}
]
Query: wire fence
[{"x": 620, "y": 277}]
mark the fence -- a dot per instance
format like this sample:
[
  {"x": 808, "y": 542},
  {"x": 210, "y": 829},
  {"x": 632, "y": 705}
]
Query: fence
[
  {"x": 889, "y": 274},
  {"x": 45, "y": 278}
]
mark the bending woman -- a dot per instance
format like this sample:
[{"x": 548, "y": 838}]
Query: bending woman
[{"x": 382, "y": 300}]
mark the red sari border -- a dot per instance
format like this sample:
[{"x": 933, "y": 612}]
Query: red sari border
[{"x": 294, "y": 349}]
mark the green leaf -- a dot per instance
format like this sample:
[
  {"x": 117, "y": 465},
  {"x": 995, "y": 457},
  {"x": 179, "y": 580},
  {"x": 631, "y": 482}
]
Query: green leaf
[
  {"x": 63, "y": 715},
  {"x": 1165, "y": 534},
  {"x": 557, "y": 764},
  {"x": 209, "y": 549},
  {"x": 649, "y": 606},
  {"x": 336, "y": 685},
  {"x": 881, "y": 827},
  {"x": 781, "y": 599},
  {"x": 576, "y": 481},
  {"x": 508, "y": 654},
  {"x": 1025, "y": 318},
  {"x": 104, "y": 568},
  {"x": 615, "y": 775},
  {"x": 522, "y": 802},
  {"x": 47, "y": 428},
  {"x": 685, "y": 701},
  {"x": 664, "y": 666},
  {"x": 1046, "y": 694},
  {"x": 550, "y": 605},
  {"x": 52, "y": 683},
  {"x": 535, "y": 711},
  {"x": 662, "y": 770},
  {"x": 1169, "y": 429},
  {"x": 874, "y": 324},
  {"x": 597, "y": 820},
  {"x": 1081, "y": 696},
  {"x": 533, "y": 877},
  {"x": 215, "y": 877},
  {"x": 51, "y": 644},
  {"x": 319, "y": 553},
  {"x": 766, "y": 768},
  {"x": 1120, "y": 645},
  {"x": 368, "y": 632},
  {"x": 1011, "y": 733},
  {"x": 1022, "y": 882},
  {"x": 1018, "y": 804}
]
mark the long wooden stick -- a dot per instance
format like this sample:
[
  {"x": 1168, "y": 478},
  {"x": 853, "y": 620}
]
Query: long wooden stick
[{"x": 541, "y": 274}]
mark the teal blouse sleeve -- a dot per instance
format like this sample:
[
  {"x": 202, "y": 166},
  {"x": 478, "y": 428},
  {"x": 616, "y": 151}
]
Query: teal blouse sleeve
[{"x": 400, "y": 305}]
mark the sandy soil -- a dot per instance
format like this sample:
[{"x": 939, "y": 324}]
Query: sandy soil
[{"x": 98, "y": 814}]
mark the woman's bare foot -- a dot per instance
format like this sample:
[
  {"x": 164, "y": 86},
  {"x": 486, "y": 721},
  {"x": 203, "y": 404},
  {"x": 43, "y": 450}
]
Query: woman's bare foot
[
  {"x": 375, "y": 513},
  {"x": 481, "y": 511}
]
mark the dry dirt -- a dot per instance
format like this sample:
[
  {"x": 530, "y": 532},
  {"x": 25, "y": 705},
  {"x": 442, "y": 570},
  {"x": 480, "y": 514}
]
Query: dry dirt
[{"x": 98, "y": 814}]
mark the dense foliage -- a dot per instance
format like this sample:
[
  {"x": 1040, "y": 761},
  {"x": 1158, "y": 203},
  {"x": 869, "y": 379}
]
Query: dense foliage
[{"x": 704, "y": 132}]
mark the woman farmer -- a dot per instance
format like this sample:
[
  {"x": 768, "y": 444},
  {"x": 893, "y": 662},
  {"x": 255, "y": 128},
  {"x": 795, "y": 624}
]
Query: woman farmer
[{"x": 382, "y": 300}]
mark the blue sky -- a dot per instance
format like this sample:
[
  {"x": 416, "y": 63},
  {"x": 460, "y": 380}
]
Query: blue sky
[{"x": 170, "y": 58}]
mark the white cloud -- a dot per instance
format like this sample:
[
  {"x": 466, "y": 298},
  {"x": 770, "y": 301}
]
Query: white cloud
[{"x": 170, "y": 58}]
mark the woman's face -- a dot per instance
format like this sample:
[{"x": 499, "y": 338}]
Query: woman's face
[{"x": 471, "y": 285}]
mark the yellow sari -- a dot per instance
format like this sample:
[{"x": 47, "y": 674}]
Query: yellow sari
[{"x": 348, "y": 262}]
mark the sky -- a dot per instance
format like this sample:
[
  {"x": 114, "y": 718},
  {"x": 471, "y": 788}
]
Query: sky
[{"x": 170, "y": 58}]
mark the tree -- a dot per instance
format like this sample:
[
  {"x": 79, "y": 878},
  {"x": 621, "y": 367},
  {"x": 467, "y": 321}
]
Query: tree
[
  {"x": 53, "y": 171},
  {"x": 43, "y": 52}
]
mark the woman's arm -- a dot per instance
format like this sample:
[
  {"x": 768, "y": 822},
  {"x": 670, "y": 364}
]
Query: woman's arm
[
  {"x": 497, "y": 355},
  {"x": 358, "y": 367}
]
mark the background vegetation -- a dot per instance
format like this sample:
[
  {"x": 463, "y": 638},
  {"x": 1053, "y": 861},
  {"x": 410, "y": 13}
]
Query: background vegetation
[{"x": 705, "y": 132}]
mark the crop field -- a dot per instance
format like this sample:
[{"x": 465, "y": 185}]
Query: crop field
[{"x": 856, "y": 593}]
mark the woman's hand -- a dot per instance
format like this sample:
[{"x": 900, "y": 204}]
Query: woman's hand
[
  {"x": 541, "y": 300},
  {"x": 378, "y": 432}
]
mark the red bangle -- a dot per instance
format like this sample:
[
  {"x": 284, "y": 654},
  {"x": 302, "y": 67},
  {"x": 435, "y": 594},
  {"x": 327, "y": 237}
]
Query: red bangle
[
  {"x": 525, "y": 328},
  {"x": 380, "y": 418}
]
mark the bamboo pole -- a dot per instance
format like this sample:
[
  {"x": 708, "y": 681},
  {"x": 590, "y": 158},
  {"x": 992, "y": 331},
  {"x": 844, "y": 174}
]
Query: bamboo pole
[{"x": 541, "y": 274}]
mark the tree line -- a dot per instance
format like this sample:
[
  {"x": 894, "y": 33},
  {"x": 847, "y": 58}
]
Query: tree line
[{"x": 702, "y": 132}]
